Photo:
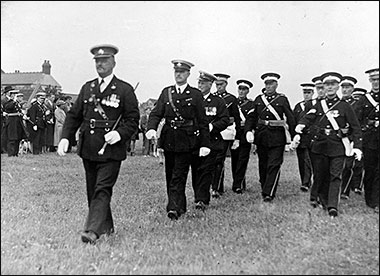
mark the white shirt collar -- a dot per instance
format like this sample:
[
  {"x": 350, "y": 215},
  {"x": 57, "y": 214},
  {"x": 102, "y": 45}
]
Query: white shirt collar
[
  {"x": 182, "y": 87},
  {"x": 107, "y": 79},
  {"x": 205, "y": 96}
]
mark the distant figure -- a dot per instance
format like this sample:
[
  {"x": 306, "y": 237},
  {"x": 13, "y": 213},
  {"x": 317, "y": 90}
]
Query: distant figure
[
  {"x": 50, "y": 122},
  {"x": 37, "y": 115},
  {"x": 14, "y": 129},
  {"x": 60, "y": 117}
]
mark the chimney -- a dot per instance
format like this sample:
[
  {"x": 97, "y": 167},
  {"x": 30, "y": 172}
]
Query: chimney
[{"x": 46, "y": 67}]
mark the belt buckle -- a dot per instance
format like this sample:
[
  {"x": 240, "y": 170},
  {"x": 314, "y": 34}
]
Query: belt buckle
[
  {"x": 266, "y": 122},
  {"x": 92, "y": 123},
  {"x": 327, "y": 131},
  {"x": 376, "y": 124}
]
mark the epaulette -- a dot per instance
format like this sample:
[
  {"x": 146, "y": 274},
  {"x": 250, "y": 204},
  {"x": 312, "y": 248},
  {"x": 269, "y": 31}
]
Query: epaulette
[{"x": 281, "y": 94}]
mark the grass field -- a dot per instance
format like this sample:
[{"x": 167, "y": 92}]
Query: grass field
[{"x": 43, "y": 208}]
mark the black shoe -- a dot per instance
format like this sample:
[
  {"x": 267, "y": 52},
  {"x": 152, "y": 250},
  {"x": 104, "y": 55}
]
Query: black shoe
[
  {"x": 268, "y": 199},
  {"x": 314, "y": 203},
  {"x": 333, "y": 212},
  {"x": 344, "y": 196},
  {"x": 237, "y": 191},
  {"x": 376, "y": 209},
  {"x": 304, "y": 188},
  {"x": 358, "y": 191},
  {"x": 89, "y": 237},
  {"x": 173, "y": 215},
  {"x": 215, "y": 194},
  {"x": 200, "y": 206}
]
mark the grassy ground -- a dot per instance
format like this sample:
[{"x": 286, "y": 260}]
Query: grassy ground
[{"x": 43, "y": 208}]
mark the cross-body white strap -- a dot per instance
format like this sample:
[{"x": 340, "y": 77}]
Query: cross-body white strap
[
  {"x": 372, "y": 101},
  {"x": 271, "y": 109},
  {"x": 329, "y": 115}
]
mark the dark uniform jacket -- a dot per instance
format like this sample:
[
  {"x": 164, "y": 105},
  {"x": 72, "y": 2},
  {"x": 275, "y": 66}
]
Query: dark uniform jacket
[
  {"x": 233, "y": 110},
  {"x": 369, "y": 120},
  {"x": 117, "y": 99},
  {"x": 266, "y": 134},
  {"x": 15, "y": 129},
  {"x": 300, "y": 109},
  {"x": 37, "y": 115},
  {"x": 245, "y": 106},
  {"x": 326, "y": 140},
  {"x": 217, "y": 115},
  {"x": 179, "y": 135}
]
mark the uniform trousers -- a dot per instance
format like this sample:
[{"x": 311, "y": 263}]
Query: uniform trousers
[
  {"x": 100, "y": 179},
  {"x": 218, "y": 176},
  {"x": 13, "y": 147},
  {"x": 352, "y": 176},
  {"x": 38, "y": 140},
  {"x": 304, "y": 166},
  {"x": 239, "y": 162},
  {"x": 371, "y": 177},
  {"x": 328, "y": 178},
  {"x": 270, "y": 161},
  {"x": 202, "y": 169},
  {"x": 177, "y": 165}
]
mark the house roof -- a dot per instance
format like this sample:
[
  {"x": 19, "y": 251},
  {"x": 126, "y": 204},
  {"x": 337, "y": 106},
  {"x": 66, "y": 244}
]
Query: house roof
[{"x": 28, "y": 78}]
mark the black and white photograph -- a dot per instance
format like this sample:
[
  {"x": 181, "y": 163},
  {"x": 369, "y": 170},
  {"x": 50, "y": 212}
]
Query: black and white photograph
[{"x": 190, "y": 138}]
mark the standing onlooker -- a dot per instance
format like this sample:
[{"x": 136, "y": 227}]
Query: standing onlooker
[
  {"x": 37, "y": 115},
  {"x": 202, "y": 167},
  {"x": 50, "y": 122},
  {"x": 143, "y": 126},
  {"x": 231, "y": 134},
  {"x": 305, "y": 167},
  {"x": 268, "y": 126},
  {"x": 14, "y": 129},
  {"x": 107, "y": 113},
  {"x": 185, "y": 131},
  {"x": 352, "y": 174},
  {"x": 367, "y": 110},
  {"x": 60, "y": 116},
  {"x": 334, "y": 119},
  {"x": 240, "y": 156}
]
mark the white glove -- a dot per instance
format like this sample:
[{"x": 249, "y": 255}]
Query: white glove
[
  {"x": 299, "y": 128},
  {"x": 112, "y": 137},
  {"x": 151, "y": 134},
  {"x": 294, "y": 144},
  {"x": 249, "y": 137},
  {"x": 35, "y": 128},
  {"x": 63, "y": 147},
  {"x": 235, "y": 144},
  {"x": 203, "y": 151},
  {"x": 358, "y": 154},
  {"x": 210, "y": 126}
]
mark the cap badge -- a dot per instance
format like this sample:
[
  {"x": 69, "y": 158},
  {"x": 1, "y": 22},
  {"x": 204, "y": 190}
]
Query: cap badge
[
  {"x": 179, "y": 64},
  {"x": 101, "y": 51}
]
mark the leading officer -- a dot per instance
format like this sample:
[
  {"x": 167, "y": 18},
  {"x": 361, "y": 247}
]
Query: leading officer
[{"x": 107, "y": 113}]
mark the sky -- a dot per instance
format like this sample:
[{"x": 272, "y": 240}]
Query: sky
[{"x": 244, "y": 39}]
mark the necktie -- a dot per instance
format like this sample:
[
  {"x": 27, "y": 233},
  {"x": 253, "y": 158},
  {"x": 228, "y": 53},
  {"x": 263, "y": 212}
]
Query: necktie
[
  {"x": 179, "y": 90},
  {"x": 101, "y": 85}
]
